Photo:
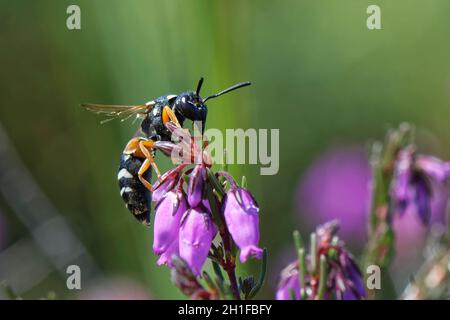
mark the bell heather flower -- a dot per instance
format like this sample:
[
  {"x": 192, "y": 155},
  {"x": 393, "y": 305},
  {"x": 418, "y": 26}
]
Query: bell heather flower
[
  {"x": 412, "y": 182},
  {"x": 196, "y": 235},
  {"x": 241, "y": 216},
  {"x": 343, "y": 280},
  {"x": 190, "y": 202},
  {"x": 169, "y": 211}
]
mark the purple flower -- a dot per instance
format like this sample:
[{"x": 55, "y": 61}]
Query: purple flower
[
  {"x": 289, "y": 282},
  {"x": 344, "y": 280},
  {"x": 433, "y": 167},
  {"x": 169, "y": 211},
  {"x": 196, "y": 185},
  {"x": 412, "y": 182},
  {"x": 241, "y": 216},
  {"x": 196, "y": 235},
  {"x": 166, "y": 256},
  {"x": 337, "y": 186}
]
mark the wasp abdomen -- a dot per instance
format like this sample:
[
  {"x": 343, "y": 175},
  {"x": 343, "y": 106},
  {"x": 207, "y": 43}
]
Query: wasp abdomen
[{"x": 136, "y": 197}]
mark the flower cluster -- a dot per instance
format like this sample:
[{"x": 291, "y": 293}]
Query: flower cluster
[
  {"x": 337, "y": 277},
  {"x": 414, "y": 177},
  {"x": 402, "y": 181},
  {"x": 193, "y": 204}
]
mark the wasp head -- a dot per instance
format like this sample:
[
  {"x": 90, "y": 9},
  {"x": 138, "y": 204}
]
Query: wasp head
[{"x": 189, "y": 105}]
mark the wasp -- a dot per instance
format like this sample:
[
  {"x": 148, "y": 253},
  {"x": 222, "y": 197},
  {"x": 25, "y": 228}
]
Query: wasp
[{"x": 137, "y": 159}]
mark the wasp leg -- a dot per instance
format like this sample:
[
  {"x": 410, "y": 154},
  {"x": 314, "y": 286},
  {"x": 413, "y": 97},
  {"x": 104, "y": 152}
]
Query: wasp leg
[
  {"x": 141, "y": 172},
  {"x": 141, "y": 148},
  {"x": 168, "y": 114},
  {"x": 146, "y": 146}
]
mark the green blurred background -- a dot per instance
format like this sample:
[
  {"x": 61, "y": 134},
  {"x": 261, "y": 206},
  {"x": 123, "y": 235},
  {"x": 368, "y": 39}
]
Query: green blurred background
[{"x": 318, "y": 74}]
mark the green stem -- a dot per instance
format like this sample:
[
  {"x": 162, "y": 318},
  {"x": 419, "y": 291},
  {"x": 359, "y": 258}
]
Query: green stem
[
  {"x": 301, "y": 262},
  {"x": 301, "y": 272},
  {"x": 313, "y": 253},
  {"x": 323, "y": 277},
  {"x": 244, "y": 182}
]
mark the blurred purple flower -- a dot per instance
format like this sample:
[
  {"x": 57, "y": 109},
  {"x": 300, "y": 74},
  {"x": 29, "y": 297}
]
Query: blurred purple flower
[
  {"x": 411, "y": 233},
  {"x": 241, "y": 214},
  {"x": 336, "y": 186},
  {"x": 344, "y": 280},
  {"x": 412, "y": 183},
  {"x": 196, "y": 235},
  {"x": 433, "y": 167},
  {"x": 289, "y": 281},
  {"x": 169, "y": 211}
]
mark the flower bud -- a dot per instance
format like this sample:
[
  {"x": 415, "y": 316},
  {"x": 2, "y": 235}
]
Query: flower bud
[
  {"x": 196, "y": 185},
  {"x": 242, "y": 219}
]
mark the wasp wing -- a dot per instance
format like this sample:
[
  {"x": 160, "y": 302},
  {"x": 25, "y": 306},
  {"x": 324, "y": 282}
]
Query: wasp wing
[
  {"x": 114, "y": 110},
  {"x": 117, "y": 111}
]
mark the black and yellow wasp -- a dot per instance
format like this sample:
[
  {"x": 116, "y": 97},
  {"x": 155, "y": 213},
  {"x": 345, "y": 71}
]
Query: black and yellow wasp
[{"x": 137, "y": 158}]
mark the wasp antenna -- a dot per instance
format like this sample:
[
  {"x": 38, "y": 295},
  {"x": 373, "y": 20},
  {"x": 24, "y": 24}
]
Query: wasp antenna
[
  {"x": 232, "y": 88},
  {"x": 199, "y": 85}
]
